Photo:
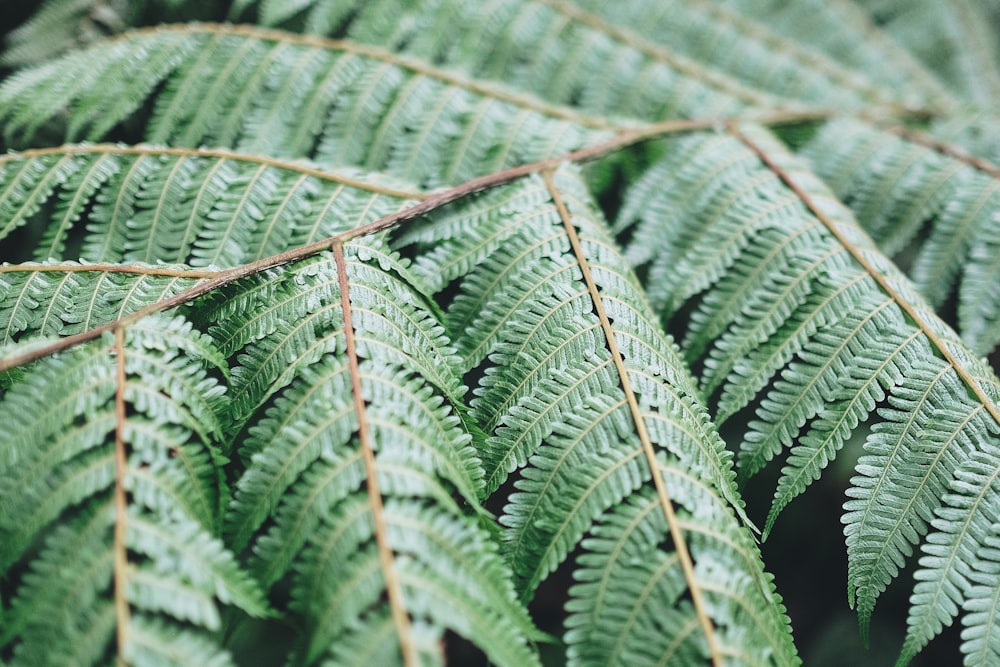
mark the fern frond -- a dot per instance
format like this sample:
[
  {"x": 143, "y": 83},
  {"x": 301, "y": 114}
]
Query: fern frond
[
  {"x": 297, "y": 432},
  {"x": 354, "y": 98},
  {"x": 272, "y": 325},
  {"x": 896, "y": 188},
  {"x": 607, "y": 622},
  {"x": 65, "y": 473},
  {"x": 857, "y": 337},
  {"x": 658, "y": 59},
  {"x": 305, "y": 502},
  {"x": 962, "y": 524},
  {"x": 974, "y": 130},
  {"x": 980, "y": 638},
  {"x": 437, "y": 557},
  {"x": 848, "y": 33},
  {"x": 200, "y": 559},
  {"x": 567, "y": 413},
  {"x": 56, "y": 27},
  {"x": 954, "y": 39},
  {"x": 203, "y": 208},
  {"x": 644, "y": 619},
  {"x": 155, "y": 643},
  {"x": 63, "y": 298},
  {"x": 56, "y": 613},
  {"x": 724, "y": 41}
]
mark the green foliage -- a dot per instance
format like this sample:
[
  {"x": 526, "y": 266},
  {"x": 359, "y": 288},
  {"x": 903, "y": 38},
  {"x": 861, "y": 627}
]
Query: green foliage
[
  {"x": 313, "y": 324},
  {"x": 837, "y": 345},
  {"x": 61, "y": 482},
  {"x": 863, "y": 165}
]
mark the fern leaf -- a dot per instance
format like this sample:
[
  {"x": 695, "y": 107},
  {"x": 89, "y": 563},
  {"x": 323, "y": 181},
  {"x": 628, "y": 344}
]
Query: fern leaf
[
  {"x": 136, "y": 415},
  {"x": 512, "y": 32},
  {"x": 847, "y": 32},
  {"x": 50, "y": 602},
  {"x": 27, "y": 185},
  {"x": 317, "y": 352},
  {"x": 203, "y": 208},
  {"x": 823, "y": 361},
  {"x": 618, "y": 51},
  {"x": 64, "y": 298},
  {"x": 285, "y": 323},
  {"x": 951, "y": 553},
  {"x": 307, "y": 473},
  {"x": 197, "y": 557},
  {"x": 154, "y": 643},
  {"x": 862, "y": 385},
  {"x": 436, "y": 557},
  {"x": 51, "y": 30},
  {"x": 631, "y": 620},
  {"x": 696, "y": 32},
  {"x": 896, "y": 187},
  {"x": 558, "y": 412},
  {"x": 627, "y": 538},
  {"x": 976, "y": 131},
  {"x": 354, "y": 95},
  {"x": 952, "y": 39},
  {"x": 140, "y": 78},
  {"x": 58, "y": 26},
  {"x": 980, "y": 645}
]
